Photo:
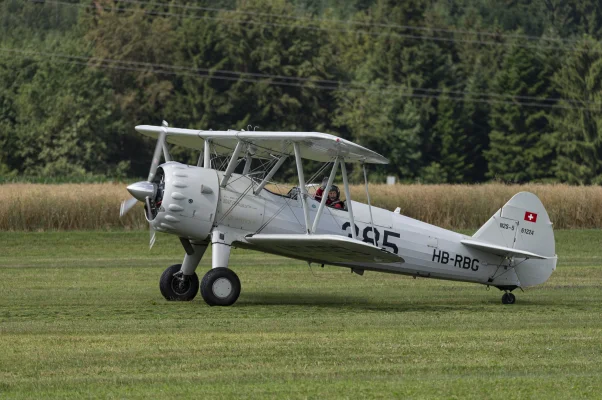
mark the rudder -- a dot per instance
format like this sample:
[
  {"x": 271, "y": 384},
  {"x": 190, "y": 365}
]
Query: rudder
[{"x": 523, "y": 223}]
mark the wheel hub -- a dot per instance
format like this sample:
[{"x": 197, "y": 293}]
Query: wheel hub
[
  {"x": 180, "y": 285},
  {"x": 222, "y": 288}
]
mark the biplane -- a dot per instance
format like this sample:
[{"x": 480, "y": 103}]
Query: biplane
[{"x": 225, "y": 201}]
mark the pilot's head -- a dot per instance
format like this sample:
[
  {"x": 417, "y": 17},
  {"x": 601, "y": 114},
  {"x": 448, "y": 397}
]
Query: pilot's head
[{"x": 333, "y": 193}]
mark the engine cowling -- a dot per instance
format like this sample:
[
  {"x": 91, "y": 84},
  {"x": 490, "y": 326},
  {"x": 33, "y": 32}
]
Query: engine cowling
[{"x": 185, "y": 201}]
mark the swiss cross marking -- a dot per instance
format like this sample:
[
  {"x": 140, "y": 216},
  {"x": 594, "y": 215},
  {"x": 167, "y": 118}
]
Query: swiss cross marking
[{"x": 530, "y": 216}]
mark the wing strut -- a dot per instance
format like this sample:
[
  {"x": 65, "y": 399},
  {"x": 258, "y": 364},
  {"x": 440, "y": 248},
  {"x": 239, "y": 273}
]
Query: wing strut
[
  {"x": 325, "y": 195},
  {"x": 232, "y": 164},
  {"x": 369, "y": 205},
  {"x": 348, "y": 198},
  {"x": 302, "y": 188},
  {"x": 206, "y": 154},
  {"x": 270, "y": 174},
  {"x": 166, "y": 154},
  {"x": 248, "y": 159}
]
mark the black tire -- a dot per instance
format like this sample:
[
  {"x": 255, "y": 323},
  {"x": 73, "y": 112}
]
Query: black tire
[
  {"x": 220, "y": 287},
  {"x": 508, "y": 298},
  {"x": 176, "y": 286}
]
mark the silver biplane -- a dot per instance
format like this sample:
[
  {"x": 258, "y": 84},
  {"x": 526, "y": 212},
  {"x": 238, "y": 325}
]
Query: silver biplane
[{"x": 208, "y": 204}]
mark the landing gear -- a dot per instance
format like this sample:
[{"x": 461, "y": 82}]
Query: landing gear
[
  {"x": 508, "y": 298},
  {"x": 176, "y": 286},
  {"x": 220, "y": 287}
]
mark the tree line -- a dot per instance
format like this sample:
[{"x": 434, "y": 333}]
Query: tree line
[{"x": 451, "y": 92}]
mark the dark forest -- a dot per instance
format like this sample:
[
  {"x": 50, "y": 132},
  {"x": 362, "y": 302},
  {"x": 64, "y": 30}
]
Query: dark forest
[{"x": 462, "y": 91}]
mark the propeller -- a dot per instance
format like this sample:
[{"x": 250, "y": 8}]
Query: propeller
[
  {"x": 127, "y": 205},
  {"x": 153, "y": 237},
  {"x": 138, "y": 192},
  {"x": 146, "y": 190},
  {"x": 151, "y": 175},
  {"x": 158, "y": 148},
  {"x": 152, "y": 232}
]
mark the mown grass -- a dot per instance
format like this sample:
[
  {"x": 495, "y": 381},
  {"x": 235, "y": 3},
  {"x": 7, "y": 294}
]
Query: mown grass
[
  {"x": 33, "y": 207},
  {"x": 81, "y": 316}
]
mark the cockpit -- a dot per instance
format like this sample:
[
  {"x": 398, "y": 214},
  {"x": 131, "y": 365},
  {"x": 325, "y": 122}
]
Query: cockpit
[{"x": 333, "y": 200}]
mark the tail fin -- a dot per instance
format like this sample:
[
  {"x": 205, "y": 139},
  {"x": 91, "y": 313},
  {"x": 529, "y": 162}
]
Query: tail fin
[{"x": 523, "y": 224}]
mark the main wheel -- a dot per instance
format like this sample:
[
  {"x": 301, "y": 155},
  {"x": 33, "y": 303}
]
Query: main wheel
[
  {"x": 508, "y": 298},
  {"x": 176, "y": 286},
  {"x": 220, "y": 287}
]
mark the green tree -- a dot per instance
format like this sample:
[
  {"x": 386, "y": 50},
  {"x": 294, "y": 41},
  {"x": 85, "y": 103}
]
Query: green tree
[
  {"x": 63, "y": 121},
  {"x": 129, "y": 48},
  {"x": 578, "y": 128},
  {"x": 391, "y": 65},
  {"x": 10, "y": 69},
  {"x": 266, "y": 52},
  {"x": 519, "y": 149},
  {"x": 380, "y": 121},
  {"x": 453, "y": 165}
]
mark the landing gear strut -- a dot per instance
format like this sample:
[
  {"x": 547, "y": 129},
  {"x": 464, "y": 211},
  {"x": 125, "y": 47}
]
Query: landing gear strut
[
  {"x": 508, "y": 298},
  {"x": 220, "y": 286},
  {"x": 179, "y": 282}
]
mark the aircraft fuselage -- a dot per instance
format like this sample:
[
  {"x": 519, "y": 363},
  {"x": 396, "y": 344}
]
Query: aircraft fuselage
[{"x": 235, "y": 211}]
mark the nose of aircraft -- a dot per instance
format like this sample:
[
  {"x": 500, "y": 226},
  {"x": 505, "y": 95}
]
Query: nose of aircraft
[{"x": 140, "y": 190}]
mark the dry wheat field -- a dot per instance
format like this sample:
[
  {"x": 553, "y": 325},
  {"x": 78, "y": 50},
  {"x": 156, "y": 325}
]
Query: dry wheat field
[{"x": 38, "y": 207}]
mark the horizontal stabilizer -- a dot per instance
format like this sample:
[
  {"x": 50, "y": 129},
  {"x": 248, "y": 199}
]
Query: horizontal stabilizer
[
  {"x": 501, "y": 250},
  {"x": 323, "y": 249}
]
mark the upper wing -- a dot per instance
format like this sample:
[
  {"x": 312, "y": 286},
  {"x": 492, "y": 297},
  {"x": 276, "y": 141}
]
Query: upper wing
[
  {"x": 323, "y": 249},
  {"x": 312, "y": 145},
  {"x": 501, "y": 250}
]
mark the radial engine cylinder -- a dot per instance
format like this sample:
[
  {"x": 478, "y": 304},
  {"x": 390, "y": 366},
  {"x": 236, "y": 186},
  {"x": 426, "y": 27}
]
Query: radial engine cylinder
[{"x": 186, "y": 200}]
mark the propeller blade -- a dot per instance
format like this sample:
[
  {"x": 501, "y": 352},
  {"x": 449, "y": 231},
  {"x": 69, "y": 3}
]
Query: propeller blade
[
  {"x": 126, "y": 206},
  {"x": 147, "y": 209},
  {"x": 157, "y": 153},
  {"x": 149, "y": 216},
  {"x": 153, "y": 237}
]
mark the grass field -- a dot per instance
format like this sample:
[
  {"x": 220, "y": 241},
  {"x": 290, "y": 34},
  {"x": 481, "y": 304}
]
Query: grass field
[{"x": 81, "y": 316}]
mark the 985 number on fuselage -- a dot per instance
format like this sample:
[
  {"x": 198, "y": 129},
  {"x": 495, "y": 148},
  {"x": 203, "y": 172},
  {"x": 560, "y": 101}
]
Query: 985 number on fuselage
[{"x": 368, "y": 229}]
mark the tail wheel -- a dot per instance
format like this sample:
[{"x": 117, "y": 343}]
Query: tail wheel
[
  {"x": 508, "y": 298},
  {"x": 220, "y": 287},
  {"x": 176, "y": 286}
]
